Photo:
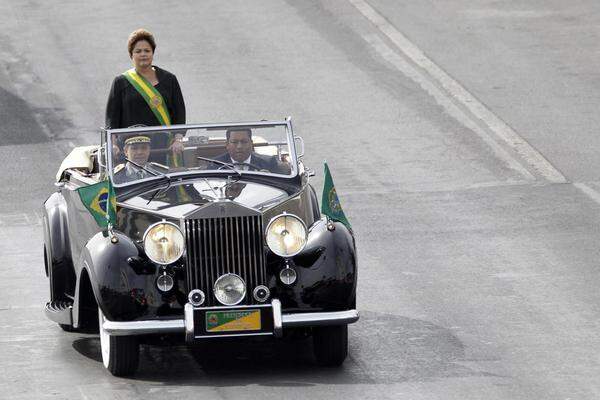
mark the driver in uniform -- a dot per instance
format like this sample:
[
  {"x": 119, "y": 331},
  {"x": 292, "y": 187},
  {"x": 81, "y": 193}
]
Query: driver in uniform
[{"x": 136, "y": 149}]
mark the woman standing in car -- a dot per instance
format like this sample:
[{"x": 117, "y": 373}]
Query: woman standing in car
[{"x": 146, "y": 94}]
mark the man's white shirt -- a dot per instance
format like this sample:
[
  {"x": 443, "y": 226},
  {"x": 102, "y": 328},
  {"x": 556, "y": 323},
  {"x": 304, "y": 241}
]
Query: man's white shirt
[{"x": 239, "y": 166}]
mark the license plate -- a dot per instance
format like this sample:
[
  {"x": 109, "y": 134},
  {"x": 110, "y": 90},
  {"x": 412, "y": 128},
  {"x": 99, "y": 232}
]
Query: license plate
[
  {"x": 233, "y": 321},
  {"x": 253, "y": 320}
]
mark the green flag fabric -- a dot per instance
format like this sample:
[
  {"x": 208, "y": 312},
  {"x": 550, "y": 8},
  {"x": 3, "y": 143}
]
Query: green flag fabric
[
  {"x": 330, "y": 204},
  {"x": 101, "y": 202}
]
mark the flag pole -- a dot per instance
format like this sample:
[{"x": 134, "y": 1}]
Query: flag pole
[
  {"x": 109, "y": 226},
  {"x": 328, "y": 220},
  {"x": 111, "y": 234}
]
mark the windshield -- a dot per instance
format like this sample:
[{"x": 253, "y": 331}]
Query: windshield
[{"x": 138, "y": 154}]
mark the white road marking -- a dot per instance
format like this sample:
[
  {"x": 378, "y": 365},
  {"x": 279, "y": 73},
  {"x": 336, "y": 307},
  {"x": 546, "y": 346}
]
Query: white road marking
[
  {"x": 446, "y": 102},
  {"x": 455, "y": 92},
  {"x": 591, "y": 193}
]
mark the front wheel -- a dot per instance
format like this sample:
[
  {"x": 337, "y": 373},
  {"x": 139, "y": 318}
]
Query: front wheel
[
  {"x": 330, "y": 344},
  {"x": 120, "y": 354}
]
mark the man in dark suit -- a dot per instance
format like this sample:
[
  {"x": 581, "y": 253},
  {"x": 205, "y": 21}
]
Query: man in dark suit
[{"x": 240, "y": 153}]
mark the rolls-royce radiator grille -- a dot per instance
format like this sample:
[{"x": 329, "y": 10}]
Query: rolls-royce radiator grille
[{"x": 216, "y": 246}]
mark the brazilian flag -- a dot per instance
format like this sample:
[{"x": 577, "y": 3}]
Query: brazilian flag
[
  {"x": 330, "y": 204},
  {"x": 101, "y": 202}
]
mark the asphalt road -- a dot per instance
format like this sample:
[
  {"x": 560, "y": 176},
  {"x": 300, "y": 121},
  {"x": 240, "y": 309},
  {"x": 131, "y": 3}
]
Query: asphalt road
[{"x": 462, "y": 140}]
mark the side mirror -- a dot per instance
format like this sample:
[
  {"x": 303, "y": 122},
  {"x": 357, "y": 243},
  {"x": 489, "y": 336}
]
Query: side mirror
[{"x": 299, "y": 145}]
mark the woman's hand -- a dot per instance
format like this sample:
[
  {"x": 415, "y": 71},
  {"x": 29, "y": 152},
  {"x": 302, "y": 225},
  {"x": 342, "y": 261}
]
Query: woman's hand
[{"x": 177, "y": 145}]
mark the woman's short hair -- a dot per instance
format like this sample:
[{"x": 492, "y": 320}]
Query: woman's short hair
[{"x": 136, "y": 36}]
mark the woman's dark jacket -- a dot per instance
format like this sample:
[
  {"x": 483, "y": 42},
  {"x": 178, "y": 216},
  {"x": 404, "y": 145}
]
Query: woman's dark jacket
[{"x": 126, "y": 107}]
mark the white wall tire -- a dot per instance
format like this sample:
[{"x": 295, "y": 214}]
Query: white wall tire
[{"x": 120, "y": 354}]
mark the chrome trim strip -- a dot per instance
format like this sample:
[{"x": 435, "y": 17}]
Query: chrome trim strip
[
  {"x": 277, "y": 325},
  {"x": 65, "y": 316},
  {"x": 235, "y": 335},
  {"x": 240, "y": 306},
  {"x": 188, "y": 312},
  {"x": 186, "y": 324},
  {"x": 126, "y": 328},
  {"x": 320, "y": 318}
]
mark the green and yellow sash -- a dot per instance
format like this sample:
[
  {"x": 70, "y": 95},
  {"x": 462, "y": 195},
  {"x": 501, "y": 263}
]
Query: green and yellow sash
[
  {"x": 156, "y": 103},
  {"x": 158, "y": 106},
  {"x": 152, "y": 96}
]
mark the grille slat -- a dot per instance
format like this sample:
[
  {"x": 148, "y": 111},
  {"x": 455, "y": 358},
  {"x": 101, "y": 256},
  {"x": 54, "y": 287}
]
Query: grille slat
[
  {"x": 217, "y": 246},
  {"x": 192, "y": 249},
  {"x": 204, "y": 264},
  {"x": 244, "y": 237},
  {"x": 227, "y": 246},
  {"x": 253, "y": 253},
  {"x": 212, "y": 243},
  {"x": 259, "y": 237},
  {"x": 238, "y": 250}
]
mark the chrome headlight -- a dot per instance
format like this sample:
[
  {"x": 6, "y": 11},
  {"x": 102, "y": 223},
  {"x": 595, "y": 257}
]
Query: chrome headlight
[
  {"x": 286, "y": 235},
  {"x": 163, "y": 243},
  {"x": 230, "y": 289}
]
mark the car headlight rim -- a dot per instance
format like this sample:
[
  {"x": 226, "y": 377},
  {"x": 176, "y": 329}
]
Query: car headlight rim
[
  {"x": 150, "y": 253},
  {"x": 301, "y": 224},
  {"x": 242, "y": 294}
]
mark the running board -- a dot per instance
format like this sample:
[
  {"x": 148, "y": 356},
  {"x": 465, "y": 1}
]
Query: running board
[{"x": 60, "y": 311}]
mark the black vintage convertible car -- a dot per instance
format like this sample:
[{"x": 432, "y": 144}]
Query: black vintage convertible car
[{"x": 216, "y": 233}]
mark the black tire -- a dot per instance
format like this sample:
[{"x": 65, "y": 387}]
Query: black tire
[
  {"x": 67, "y": 328},
  {"x": 125, "y": 355},
  {"x": 120, "y": 354},
  {"x": 330, "y": 345}
]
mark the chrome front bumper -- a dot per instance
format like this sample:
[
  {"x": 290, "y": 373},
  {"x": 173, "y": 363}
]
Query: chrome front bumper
[{"x": 186, "y": 324}]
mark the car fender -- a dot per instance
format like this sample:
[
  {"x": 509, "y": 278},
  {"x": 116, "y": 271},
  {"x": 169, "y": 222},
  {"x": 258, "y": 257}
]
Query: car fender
[
  {"x": 327, "y": 269},
  {"x": 119, "y": 291},
  {"x": 56, "y": 237}
]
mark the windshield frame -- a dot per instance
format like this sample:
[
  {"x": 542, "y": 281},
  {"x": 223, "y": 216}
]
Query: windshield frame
[{"x": 287, "y": 123}]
